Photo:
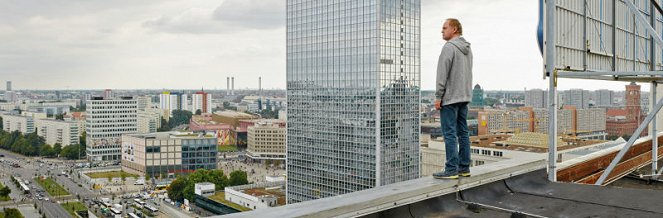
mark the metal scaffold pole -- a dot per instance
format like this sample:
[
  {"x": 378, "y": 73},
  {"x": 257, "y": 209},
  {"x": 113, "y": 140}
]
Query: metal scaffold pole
[
  {"x": 552, "y": 91},
  {"x": 654, "y": 84}
]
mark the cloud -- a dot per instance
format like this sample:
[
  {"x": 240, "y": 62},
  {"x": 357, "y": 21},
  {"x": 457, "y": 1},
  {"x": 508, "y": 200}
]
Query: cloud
[
  {"x": 258, "y": 14},
  {"x": 193, "y": 20},
  {"x": 230, "y": 16}
]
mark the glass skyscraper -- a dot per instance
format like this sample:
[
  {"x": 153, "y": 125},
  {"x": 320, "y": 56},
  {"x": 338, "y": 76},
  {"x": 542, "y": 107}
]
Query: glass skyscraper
[{"x": 353, "y": 84}]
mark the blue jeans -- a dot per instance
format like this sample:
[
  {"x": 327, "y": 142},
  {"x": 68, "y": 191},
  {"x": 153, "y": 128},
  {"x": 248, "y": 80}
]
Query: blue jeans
[{"x": 456, "y": 137}]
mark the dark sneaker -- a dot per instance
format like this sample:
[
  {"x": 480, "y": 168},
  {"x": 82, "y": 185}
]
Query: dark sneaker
[
  {"x": 464, "y": 174},
  {"x": 445, "y": 175}
]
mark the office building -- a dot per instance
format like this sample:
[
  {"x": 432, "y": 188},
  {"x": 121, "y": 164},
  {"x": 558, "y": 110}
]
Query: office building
[
  {"x": 353, "y": 82},
  {"x": 166, "y": 154},
  {"x": 266, "y": 140},
  {"x": 106, "y": 121}
]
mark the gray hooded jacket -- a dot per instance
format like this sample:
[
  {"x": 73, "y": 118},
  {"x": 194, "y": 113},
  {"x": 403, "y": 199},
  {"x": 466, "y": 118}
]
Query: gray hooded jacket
[{"x": 454, "y": 72}]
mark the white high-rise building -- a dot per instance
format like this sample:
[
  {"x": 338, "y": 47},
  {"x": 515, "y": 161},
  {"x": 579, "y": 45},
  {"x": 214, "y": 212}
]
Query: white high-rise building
[
  {"x": 173, "y": 101},
  {"x": 106, "y": 122},
  {"x": 57, "y": 131},
  {"x": 201, "y": 101}
]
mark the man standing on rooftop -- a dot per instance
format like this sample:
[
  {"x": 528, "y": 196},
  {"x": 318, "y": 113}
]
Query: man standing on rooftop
[{"x": 453, "y": 94}]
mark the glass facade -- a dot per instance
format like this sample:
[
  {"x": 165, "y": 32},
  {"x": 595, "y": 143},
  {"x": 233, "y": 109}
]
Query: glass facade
[
  {"x": 353, "y": 89},
  {"x": 195, "y": 154}
]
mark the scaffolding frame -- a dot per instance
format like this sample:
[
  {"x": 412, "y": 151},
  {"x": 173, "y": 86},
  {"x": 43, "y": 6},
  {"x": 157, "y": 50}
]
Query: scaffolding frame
[{"x": 653, "y": 76}]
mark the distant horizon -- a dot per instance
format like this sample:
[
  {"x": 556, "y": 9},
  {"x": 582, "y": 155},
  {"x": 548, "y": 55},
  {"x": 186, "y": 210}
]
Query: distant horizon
[{"x": 275, "y": 89}]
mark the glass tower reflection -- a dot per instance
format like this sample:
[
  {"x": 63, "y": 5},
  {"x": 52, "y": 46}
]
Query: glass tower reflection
[{"x": 353, "y": 84}]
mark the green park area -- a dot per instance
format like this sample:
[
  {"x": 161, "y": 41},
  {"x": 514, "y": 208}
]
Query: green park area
[
  {"x": 54, "y": 189},
  {"x": 72, "y": 207},
  {"x": 10, "y": 213},
  {"x": 227, "y": 148},
  {"x": 4, "y": 193},
  {"x": 111, "y": 174}
]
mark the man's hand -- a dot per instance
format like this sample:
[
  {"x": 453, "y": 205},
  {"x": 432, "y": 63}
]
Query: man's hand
[{"x": 438, "y": 104}]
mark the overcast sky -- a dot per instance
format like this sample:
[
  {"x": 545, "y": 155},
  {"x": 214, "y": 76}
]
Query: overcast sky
[{"x": 189, "y": 44}]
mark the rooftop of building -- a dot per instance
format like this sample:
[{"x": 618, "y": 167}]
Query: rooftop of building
[
  {"x": 616, "y": 112},
  {"x": 204, "y": 183},
  {"x": 265, "y": 121},
  {"x": 510, "y": 188},
  {"x": 58, "y": 121},
  {"x": 172, "y": 135},
  {"x": 264, "y": 190},
  {"x": 206, "y": 119},
  {"x": 527, "y": 142},
  {"x": 234, "y": 114}
]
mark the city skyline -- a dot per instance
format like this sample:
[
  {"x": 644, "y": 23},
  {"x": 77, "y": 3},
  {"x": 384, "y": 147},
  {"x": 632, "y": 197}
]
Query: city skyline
[{"x": 198, "y": 43}]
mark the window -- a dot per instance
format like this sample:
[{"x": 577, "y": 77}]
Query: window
[{"x": 153, "y": 149}]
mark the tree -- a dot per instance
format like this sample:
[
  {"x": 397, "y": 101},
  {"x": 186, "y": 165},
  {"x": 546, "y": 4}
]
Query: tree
[
  {"x": 71, "y": 152},
  {"x": 491, "y": 101},
  {"x": 12, "y": 212},
  {"x": 46, "y": 151},
  {"x": 81, "y": 140},
  {"x": 59, "y": 116},
  {"x": 238, "y": 177},
  {"x": 57, "y": 148},
  {"x": 4, "y": 191},
  {"x": 199, "y": 112},
  {"x": 164, "y": 126},
  {"x": 219, "y": 179},
  {"x": 267, "y": 163},
  {"x": 176, "y": 188},
  {"x": 1, "y": 125},
  {"x": 179, "y": 117}
]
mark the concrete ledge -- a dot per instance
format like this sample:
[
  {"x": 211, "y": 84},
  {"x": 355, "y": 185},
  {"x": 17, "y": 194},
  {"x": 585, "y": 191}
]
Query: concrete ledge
[{"x": 394, "y": 195}]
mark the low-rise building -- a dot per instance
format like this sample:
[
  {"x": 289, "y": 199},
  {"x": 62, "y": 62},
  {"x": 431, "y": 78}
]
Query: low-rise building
[
  {"x": 257, "y": 196},
  {"x": 204, "y": 189},
  {"x": 168, "y": 153}
]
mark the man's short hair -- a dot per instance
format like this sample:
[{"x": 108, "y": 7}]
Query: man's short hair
[{"x": 455, "y": 23}]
